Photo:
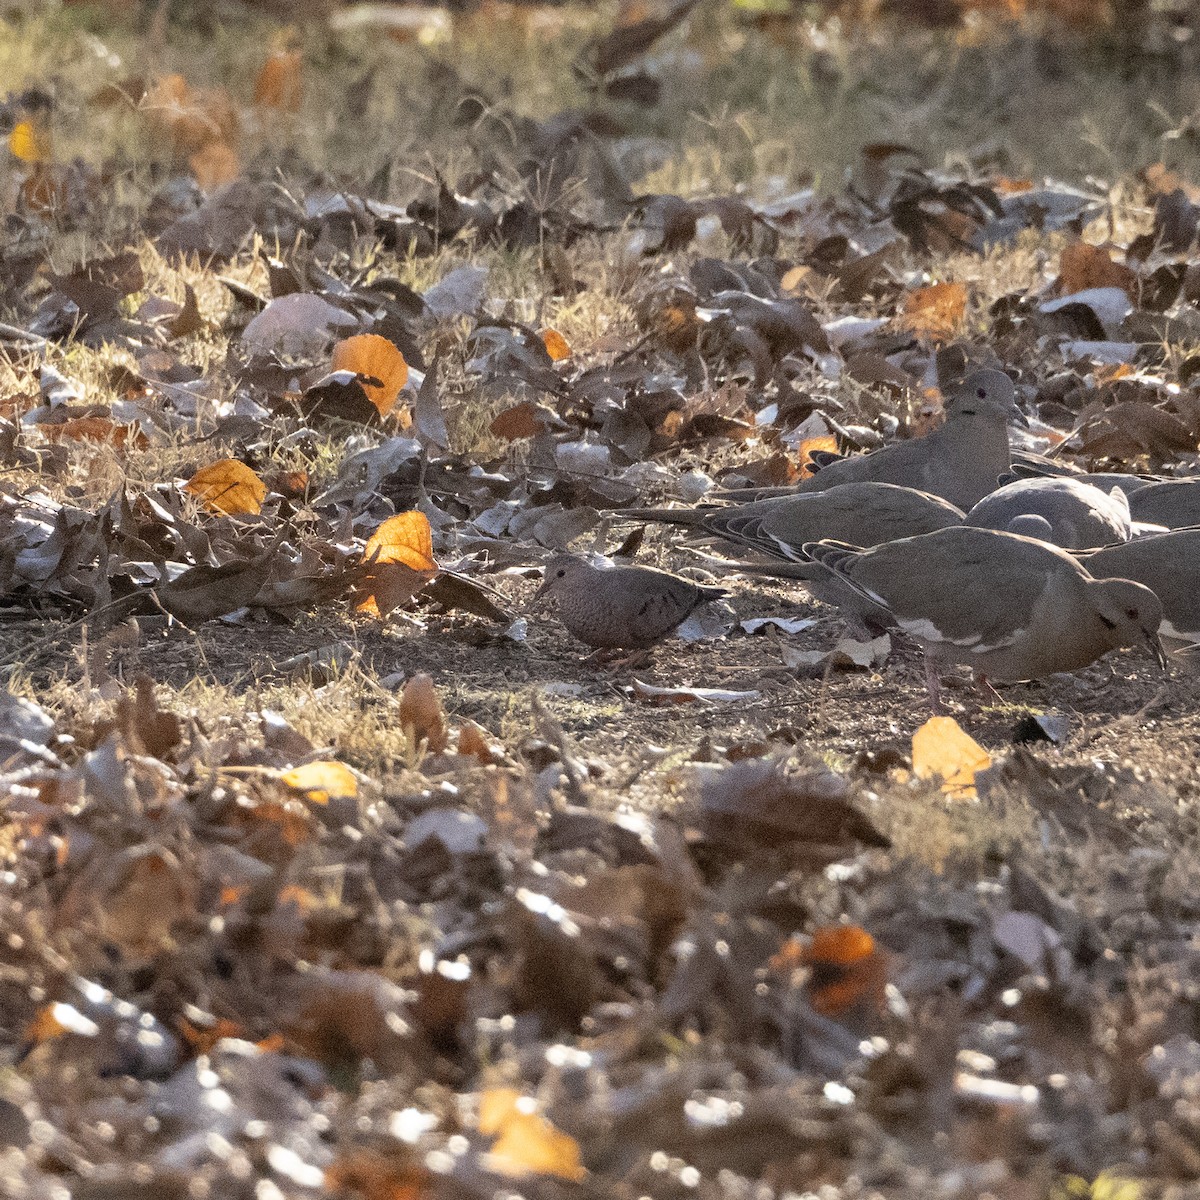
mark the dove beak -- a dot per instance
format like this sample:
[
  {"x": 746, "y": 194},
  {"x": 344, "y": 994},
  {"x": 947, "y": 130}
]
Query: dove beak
[{"x": 543, "y": 588}]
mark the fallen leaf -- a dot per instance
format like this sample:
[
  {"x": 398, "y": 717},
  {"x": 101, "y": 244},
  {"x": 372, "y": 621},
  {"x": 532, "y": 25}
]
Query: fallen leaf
[
  {"x": 398, "y": 562},
  {"x": 526, "y": 1142},
  {"x": 942, "y": 748},
  {"x": 421, "y": 715},
  {"x": 228, "y": 486},
  {"x": 30, "y": 141},
  {"x": 935, "y": 312},
  {"x": 556, "y": 345},
  {"x": 280, "y": 83},
  {"x": 1082, "y": 266},
  {"x": 846, "y": 968},
  {"x": 378, "y": 363},
  {"x": 322, "y": 781}
]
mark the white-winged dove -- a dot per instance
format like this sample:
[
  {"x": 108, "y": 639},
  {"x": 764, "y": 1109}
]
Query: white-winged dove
[
  {"x": 620, "y": 608},
  {"x": 1075, "y": 515},
  {"x": 1168, "y": 564},
  {"x": 959, "y": 461},
  {"x": 1009, "y": 606}
]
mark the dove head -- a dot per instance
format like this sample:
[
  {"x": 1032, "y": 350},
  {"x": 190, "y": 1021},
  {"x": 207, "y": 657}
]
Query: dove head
[
  {"x": 986, "y": 395},
  {"x": 1131, "y": 612},
  {"x": 559, "y": 573}
]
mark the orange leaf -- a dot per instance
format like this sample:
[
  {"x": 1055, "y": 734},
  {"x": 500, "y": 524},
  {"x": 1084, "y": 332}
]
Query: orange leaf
[
  {"x": 322, "y": 781},
  {"x": 1082, "y": 266},
  {"x": 557, "y": 346},
  {"x": 279, "y": 83},
  {"x": 473, "y": 743},
  {"x": 942, "y": 748},
  {"x": 214, "y": 165},
  {"x": 935, "y": 312},
  {"x": 228, "y": 486},
  {"x": 528, "y": 1144},
  {"x": 30, "y": 142},
  {"x": 372, "y": 356},
  {"x": 421, "y": 714},
  {"x": 399, "y": 561},
  {"x": 847, "y": 969}
]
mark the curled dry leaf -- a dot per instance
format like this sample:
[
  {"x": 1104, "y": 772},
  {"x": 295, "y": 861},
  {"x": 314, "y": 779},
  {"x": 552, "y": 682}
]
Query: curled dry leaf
[
  {"x": 935, "y": 312},
  {"x": 322, "y": 781},
  {"x": 941, "y": 747},
  {"x": 398, "y": 562},
  {"x": 228, "y": 486},
  {"x": 378, "y": 363},
  {"x": 846, "y": 969},
  {"x": 280, "y": 83},
  {"x": 1082, "y": 266},
  {"x": 421, "y": 715},
  {"x": 96, "y": 429}
]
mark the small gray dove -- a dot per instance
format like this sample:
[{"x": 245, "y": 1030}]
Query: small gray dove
[
  {"x": 1074, "y": 515},
  {"x": 1168, "y": 564},
  {"x": 620, "y": 608},
  {"x": 1009, "y": 606},
  {"x": 959, "y": 461}
]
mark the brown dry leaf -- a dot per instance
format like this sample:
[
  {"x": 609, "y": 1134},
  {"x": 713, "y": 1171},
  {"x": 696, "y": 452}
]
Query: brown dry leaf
[
  {"x": 935, "y": 312},
  {"x": 280, "y": 83},
  {"x": 380, "y": 365},
  {"x": 95, "y": 429},
  {"x": 473, "y": 743},
  {"x": 395, "y": 1172},
  {"x": 1082, "y": 266},
  {"x": 322, "y": 781},
  {"x": 526, "y": 1142},
  {"x": 228, "y": 486},
  {"x": 214, "y": 165},
  {"x": 188, "y": 118},
  {"x": 520, "y": 421},
  {"x": 399, "y": 562},
  {"x": 30, "y": 141},
  {"x": 942, "y": 748},
  {"x": 557, "y": 346},
  {"x": 421, "y": 715}
]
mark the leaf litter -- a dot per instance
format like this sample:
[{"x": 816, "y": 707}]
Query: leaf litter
[{"x": 600, "y": 949}]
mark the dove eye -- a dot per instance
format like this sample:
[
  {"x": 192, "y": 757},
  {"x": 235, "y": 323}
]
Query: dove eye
[{"x": 981, "y": 393}]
